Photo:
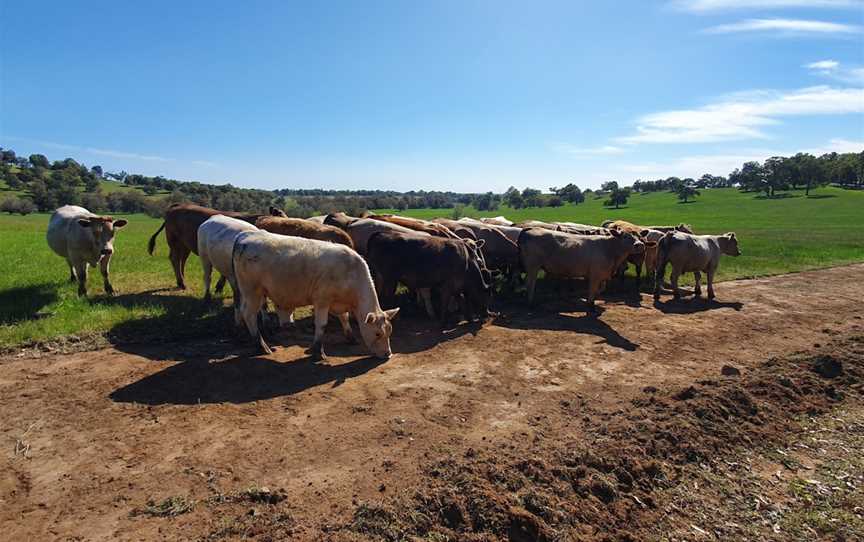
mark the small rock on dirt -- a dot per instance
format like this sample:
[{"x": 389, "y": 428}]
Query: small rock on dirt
[
  {"x": 729, "y": 370},
  {"x": 828, "y": 366}
]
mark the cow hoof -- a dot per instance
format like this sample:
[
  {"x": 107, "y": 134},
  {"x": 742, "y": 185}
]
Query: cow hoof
[
  {"x": 656, "y": 297},
  {"x": 711, "y": 297},
  {"x": 317, "y": 352}
]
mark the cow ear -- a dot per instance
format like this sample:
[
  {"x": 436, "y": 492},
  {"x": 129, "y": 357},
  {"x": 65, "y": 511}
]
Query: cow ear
[
  {"x": 480, "y": 243},
  {"x": 392, "y": 313},
  {"x": 644, "y": 233},
  {"x": 370, "y": 318},
  {"x": 615, "y": 232},
  {"x": 83, "y": 222},
  {"x": 120, "y": 223}
]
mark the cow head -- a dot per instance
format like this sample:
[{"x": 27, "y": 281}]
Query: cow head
[
  {"x": 686, "y": 228},
  {"x": 632, "y": 244},
  {"x": 729, "y": 244},
  {"x": 103, "y": 229},
  {"x": 376, "y": 329},
  {"x": 277, "y": 212}
]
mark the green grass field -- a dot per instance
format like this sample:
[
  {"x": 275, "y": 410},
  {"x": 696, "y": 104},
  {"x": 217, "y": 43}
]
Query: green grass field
[{"x": 37, "y": 303}]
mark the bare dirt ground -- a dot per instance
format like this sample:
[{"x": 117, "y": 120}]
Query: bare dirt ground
[{"x": 543, "y": 424}]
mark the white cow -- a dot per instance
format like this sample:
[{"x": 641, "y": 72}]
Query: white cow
[
  {"x": 216, "y": 237},
  {"x": 295, "y": 272},
  {"x": 696, "y": 253},
  {"x": 84, "y": 239}
]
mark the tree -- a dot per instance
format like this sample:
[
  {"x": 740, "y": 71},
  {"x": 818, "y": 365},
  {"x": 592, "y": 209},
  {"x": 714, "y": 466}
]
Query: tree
[
  {"x": 777, "y": 172},
  {"x": 617, "y": 197},
  {"x": 96, "y": 170},
  {"x": 750, "y": 178},
  {"x": 485, "y": 202},
  {"x": 686, "y": 192},
  {"x": 513, "y": 198},
  {"x": 39, "y": 160},
  {"x": 609, "y": 186},
  {"x": 531, "y": 197},
  {"x": 569, "y": 193}
]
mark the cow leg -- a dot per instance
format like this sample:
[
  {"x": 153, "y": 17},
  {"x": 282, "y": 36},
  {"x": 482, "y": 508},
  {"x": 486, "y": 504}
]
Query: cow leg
[
  {"x": 238, "y": 303},
  {"x": 220, "y": 284},
  {"x": 286, "y": 316},
  {"x": 178, "y": 260},
  {"x": 593, "y": 288},
  {"x": 104, "y": 268},
  {"x": 81, "y": 271},
  {"x": 426, "y": 293},
  {"x": 697, "y": 290},
  {"x": 674, "y": 278},
  {"x": 445, "y": 294},
  {"x": 531, "y": 280},
  {"x": 322, "y": 314},
  {"x": 346, "y": 328},
  {"x": 72, "y": 277},
  {"x": 710, "y": 281},
  {"x": 207, "y": 268},
  {"x": 251, "y": 304},
  {"x": 638, "y": 275}
]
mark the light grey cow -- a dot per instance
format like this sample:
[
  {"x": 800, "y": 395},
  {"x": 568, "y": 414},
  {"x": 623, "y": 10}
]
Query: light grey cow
[
  {"x": 692, "y": 253},
  {"x": 83, "y": 239}
]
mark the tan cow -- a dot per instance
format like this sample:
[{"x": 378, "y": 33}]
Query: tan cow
[
  {"x": 83, "y": 239},
  {"x": 299, "y": 227},
  {"x": 649, "y": 258},
  {"x": 499, "y": 251},
  {"x": 295, "y": 272},
  {"x": 594, "y": 257},
  {"x": 538, "y": 224},
  {"x": 692, "y": 253}
]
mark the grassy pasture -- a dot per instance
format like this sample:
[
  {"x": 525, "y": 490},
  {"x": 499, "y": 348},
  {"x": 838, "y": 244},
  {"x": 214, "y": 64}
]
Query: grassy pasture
[{"x": 38, "y": 303}]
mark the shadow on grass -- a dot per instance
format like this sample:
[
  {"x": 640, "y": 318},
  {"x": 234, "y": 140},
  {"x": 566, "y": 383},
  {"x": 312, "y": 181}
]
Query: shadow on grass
[
  {"x": 237, "y": 380},
  {"x": 784, "y": 195},
  {"x": 25, "y": 303},
  {"x": 821, "y": 196}
]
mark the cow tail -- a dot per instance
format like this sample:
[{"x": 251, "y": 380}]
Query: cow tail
[{"x": 151, "y": 244}]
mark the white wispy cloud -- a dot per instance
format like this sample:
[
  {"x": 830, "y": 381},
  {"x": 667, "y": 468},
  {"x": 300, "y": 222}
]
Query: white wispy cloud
[
  {"x": 707, "y": 6},
  {"x": 838, "y": 145},
  {"x": 722, "y": 164},
  {"x": 586, "y": 151},
  {"x": 743, "y": 115},
  {"x": 126, "y": 155},
  {"x": 786, "y": 27},
  {"x": 837, "y": 71},
  {"x": 823, "y": 65}
]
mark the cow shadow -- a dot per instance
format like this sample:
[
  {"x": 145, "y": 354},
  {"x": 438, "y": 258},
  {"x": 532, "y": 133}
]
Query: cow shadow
[
  {"x": 588, "y": 324},
  {"x": 26, "y": 302},
  {"x": 694, "y": 305},
  {"x": 240, "y": 379}
]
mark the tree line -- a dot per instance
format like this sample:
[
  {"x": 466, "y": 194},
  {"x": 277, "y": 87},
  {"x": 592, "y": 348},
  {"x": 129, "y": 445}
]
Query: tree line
[{"x": 48, "y": 185}]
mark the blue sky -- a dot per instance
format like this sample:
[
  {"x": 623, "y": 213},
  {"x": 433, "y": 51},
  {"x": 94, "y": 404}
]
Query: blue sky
[{"x": 449, "y": 95}]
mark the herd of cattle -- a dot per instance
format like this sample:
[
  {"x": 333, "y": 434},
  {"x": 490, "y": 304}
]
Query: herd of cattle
[{"x": 350, "y": 266}]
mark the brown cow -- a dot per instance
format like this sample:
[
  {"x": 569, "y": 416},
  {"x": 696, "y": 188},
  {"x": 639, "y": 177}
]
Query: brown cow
[
  {"x": 415, "y": 224},
  {"x": 456, "y": 227},
  {"x": 499, "y": 251},
  {"x": 538, "y": 224},
  {"x": 181, "y": 232},
  {"x": 595, "y": 257},
  {"x": 340, "y": 220},
  {"x": 424, "y": 263},
  {"x": 299, "y": 227}
]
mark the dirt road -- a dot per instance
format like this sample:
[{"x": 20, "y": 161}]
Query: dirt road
[{"x": 88, "y": 438}]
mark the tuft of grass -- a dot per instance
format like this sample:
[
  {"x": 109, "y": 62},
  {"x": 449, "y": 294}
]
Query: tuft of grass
[{"x": 170, "y": 507}]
